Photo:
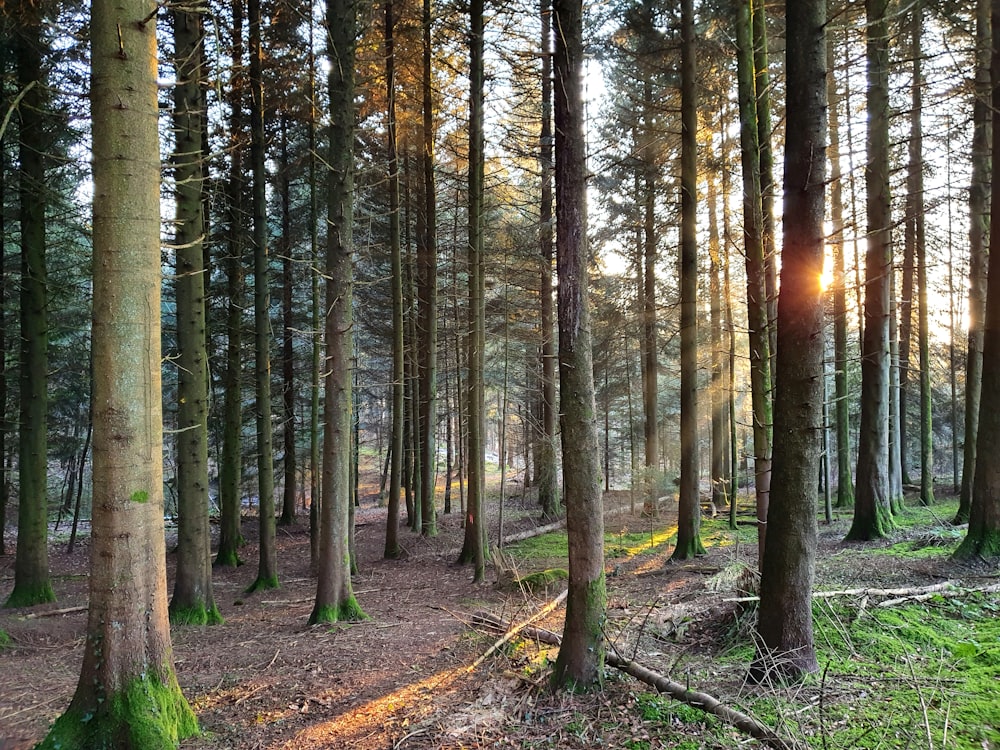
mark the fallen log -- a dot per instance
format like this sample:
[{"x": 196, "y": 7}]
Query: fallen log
[
  {"x": 56, "y": 612},
  {"x": 703, "y": 701},
  {"x": 947, "y": 588}
]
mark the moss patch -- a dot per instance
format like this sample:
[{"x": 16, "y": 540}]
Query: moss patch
[
  {"x": 28, "y": 595},
  {"x": 347, "y": 611},
  {"x": 145, "y": 715},
  {"x": 200, "y": 615}
]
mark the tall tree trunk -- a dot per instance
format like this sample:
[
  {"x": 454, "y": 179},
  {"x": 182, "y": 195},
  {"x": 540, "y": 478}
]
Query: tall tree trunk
[
  {"x": 547, "y": 467},
  {"x": 647, "y": 192},
  {"x": 315, "y": 462},
  {"x": 4, "y": 425},
  {"x": 392, "y": 548},
  {"x": 689, "y": 504},
  {"x": 267, "y": 563},
  {"x": 757, "y": 315},
  {"x": 923, "y": 329},
  {"x": 762, "y": 91},
  {"x": 983, "y": 537},
  {"x": 838, "y": 290},
  {"x": 979, "y": 192},
  {"x": 720, "y": 445},
  {"x": 785, "y": 647},
  {"x": 193, "y": 601},
  {"x": 32, "y": 584},
  {"x": 474, "y": 549},
  {"x": 427, "y": 293},
  {"x": 127, "y": 695},
  {"x": 231, "y": 462},
  {"x": 581, "y": 656},
  {"x": 872, "y": 501},
  {"x": 289, "y": 463},
  {"x": 334, "y": 596}
]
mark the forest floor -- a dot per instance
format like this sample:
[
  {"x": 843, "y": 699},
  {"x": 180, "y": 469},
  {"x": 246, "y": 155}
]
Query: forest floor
[{"x": 407, "y": 678}]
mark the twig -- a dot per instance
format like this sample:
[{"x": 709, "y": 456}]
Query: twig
[{"x": 55, "y": 612}]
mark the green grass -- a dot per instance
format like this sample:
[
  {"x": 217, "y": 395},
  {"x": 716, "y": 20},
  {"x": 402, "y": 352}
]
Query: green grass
[{"x": 5, "y": 640}]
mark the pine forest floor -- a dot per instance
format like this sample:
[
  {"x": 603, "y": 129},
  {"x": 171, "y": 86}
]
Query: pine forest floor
[{"x": 402, "y": 679}]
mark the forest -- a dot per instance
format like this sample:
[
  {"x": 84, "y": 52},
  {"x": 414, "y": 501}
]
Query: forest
[{"x": 453, "y": 374}]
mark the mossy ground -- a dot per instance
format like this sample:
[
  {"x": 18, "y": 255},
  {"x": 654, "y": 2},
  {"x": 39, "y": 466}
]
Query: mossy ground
[{"x": 200, "y": 615}]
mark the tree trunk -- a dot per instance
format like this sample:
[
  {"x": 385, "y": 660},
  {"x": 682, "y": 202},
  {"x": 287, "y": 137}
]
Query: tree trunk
[
  {"x": 983, "y": 538},
  {"x": 315, "y": 461},
  {"x": 289, "y": 463},
  {"x": 785, "y": 648},
  {"x": 231, "y": 462},
  {"x": 581, "y": 657},
  {"x": 872, "y": 503},
  {"x": 547, "y": 467},
  {"x": 32, "y": 584},
  {"x": 689, "y": 501},
  {"x": 392, "y": 548},
  {"x": 979, "y": 191},
  {"x": 474, "y": 548},
  {"x": 427, "y": 294},
  {"x": 128, "y": 694},
  {"x": 720, "y": 445},
  {"x": 4, "y": 425},
  {"x": 334, "y": 596},
  {"x": 838, "y": 290},
  {"x": 267, "y": 563},
  {"x": 757, "y": 315},
  {"x": 647, "y": 192},
  {"x": 193, "y": 601}
]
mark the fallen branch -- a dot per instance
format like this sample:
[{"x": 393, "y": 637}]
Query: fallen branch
[
  {"x": 56, "y": 612},
  {"x": 703, "y": 701},
  {"x": 948, "y": 588},
  {"x": 515, "y": 629}
]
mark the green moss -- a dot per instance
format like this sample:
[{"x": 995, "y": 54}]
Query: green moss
[
  {"x": 347, "y": 611},
  {"x": 542, "y": 579},
  {"x": 589, "y": 611},
  {"x": 983, "y": 544},
  {"x": 227, "y": 559},
  {"x": 199, "y": 615},
  {"x": 264, "y": 584},
  {"x": 145, "y": 715},
  {"x": 5, "y": 640},
  {"x": 28, "y": 595}
]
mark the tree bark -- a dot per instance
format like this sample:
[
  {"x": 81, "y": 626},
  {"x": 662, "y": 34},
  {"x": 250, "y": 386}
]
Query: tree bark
[
  {"x": 267, "y": 563},
  {"x": 872, "y": 505},
  {"x": 838, "y": 290},
  {"x": 785, "y": 648},
  {"x": 334, "y": 596},
  {"x": 128, "y": 694},
  {"x": 983, "y": 537},
  {"x": 32, "y": 584},
  {"x": 231, "y": 462},
  {"x": 979, "y": 192},
  {"x": 288, "y": 385},
  {"x": 193, "y": 601},
  {"x": 474, "y": 549},
  {"x": 689, "y": 496},
  {"x": 581, "y": 656},
  {"x": 757, "y": 315},
  {"x": 547, "y": 467}
]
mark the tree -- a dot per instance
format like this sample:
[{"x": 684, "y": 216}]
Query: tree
[
  {"x": 31, "y": 562},
  {"x": 392, "y": 549},
  {"x": 872, "y": 502},
  {"x": 753, "y": 238},
  {"x": 128, "y": 694},
  {"x": 231, "y": 468},
  {"x": 581, "y": 656},
  {"x": 334, "y": 596},
  {"x": 192, "y": 600},
  {"x": 547, "y": 470},
  {"x": 978, "y": 231},
  {"x": 689, "y": 502},
  {"x": 786, "y": 648},
  {"x": 427, "y": 298},
  {"x": 474, "y": 548},
  {"x": 267, "y": 564},
  {"x": 838, "y": 290},
  {"x": 983, "y": 537}
]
